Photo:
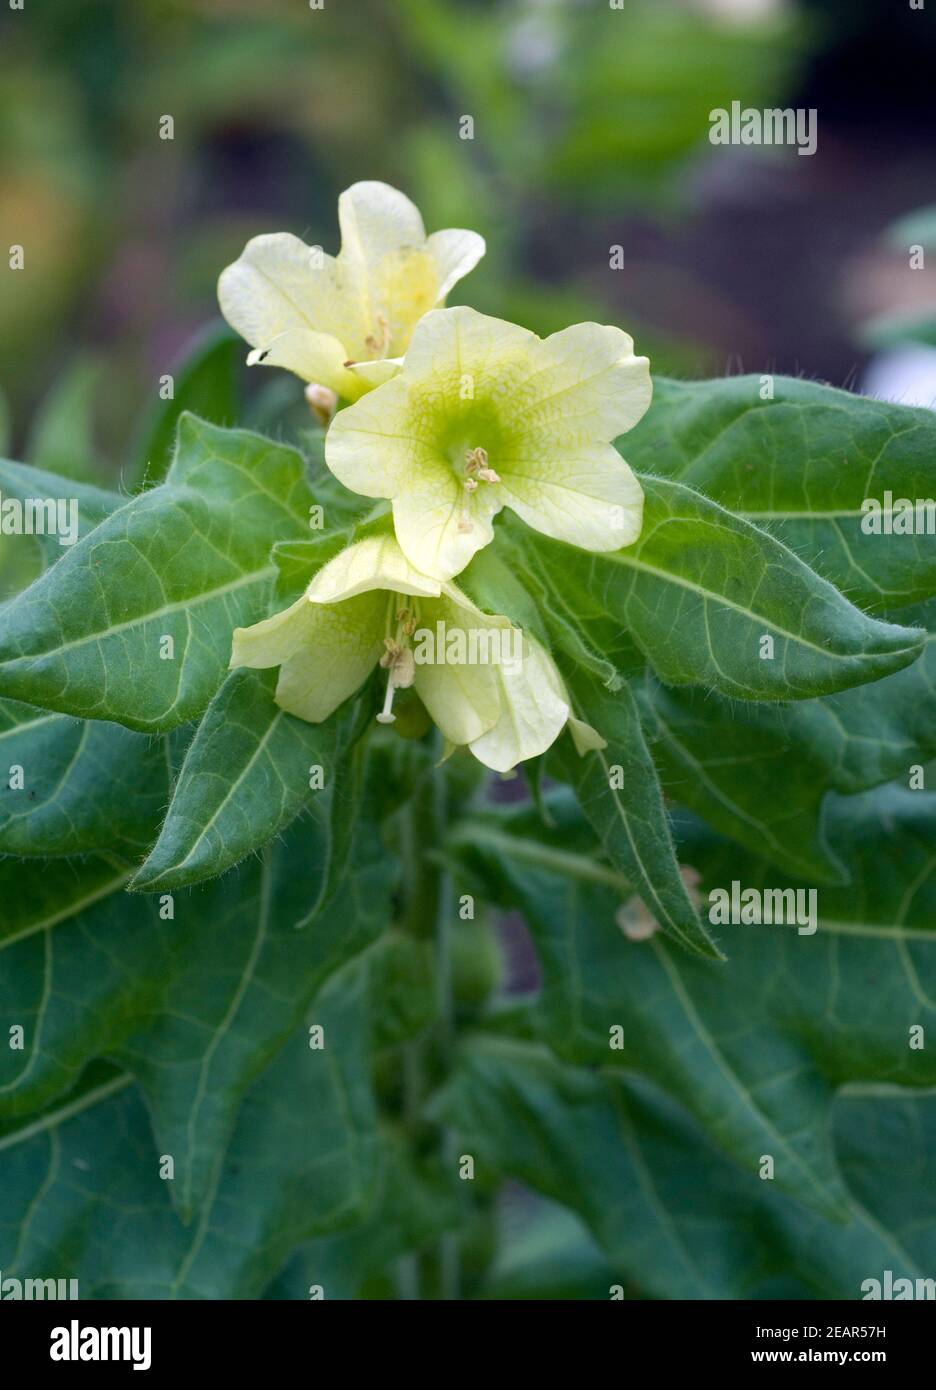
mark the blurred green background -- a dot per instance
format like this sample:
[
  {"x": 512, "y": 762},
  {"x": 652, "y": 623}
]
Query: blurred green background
[{"x": 590, "y": 131}]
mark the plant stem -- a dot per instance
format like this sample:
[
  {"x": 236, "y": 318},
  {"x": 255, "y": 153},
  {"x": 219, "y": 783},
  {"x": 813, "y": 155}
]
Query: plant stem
[
  {"x": 449, "y": 1254},
  {"x": 427, "y": 913}
]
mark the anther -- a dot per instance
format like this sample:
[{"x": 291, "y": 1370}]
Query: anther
[{"x": 476, "y": 466}]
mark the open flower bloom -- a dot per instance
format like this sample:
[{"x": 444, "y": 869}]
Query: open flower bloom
[
  {"x": 368, "y": 606},
  {"x": 486, "y": 415},
  {"x": 341, "y": 322}
]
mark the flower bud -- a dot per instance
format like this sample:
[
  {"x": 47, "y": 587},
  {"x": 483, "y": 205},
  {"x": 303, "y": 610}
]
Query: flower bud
[{"x": 322, "y": 402}]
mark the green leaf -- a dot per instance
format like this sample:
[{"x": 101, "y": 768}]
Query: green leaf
[
  {"x": 86, "y": 784},
  {"x": 674, "y": 1218},
  {"x": 246, "y": 776},
  {"x": 413, "y": 1205},
  {"x": 298, "y": 561},
  {"x": 32, "y": 484},
  {"x": 341, "y": 810},
  {"x": 193, "y": 993},
  {"x": 546, "y": 1253},
  {"x": 756, "y": 1047},
  {"x": 569, "y": 617},
  {"x": 83, "y": 1195},
  {"x": 189, "y": 561},
  {"x": 745, "y": 774},
  {"x": 802, "y": 464},
  {"x": 204, "y": 383},
  {"x": 761, "y": 773},
  {"x": 36, "y": 897},
  {"x": 700, "y": 589},
  {"x": 619, "y": 792}
]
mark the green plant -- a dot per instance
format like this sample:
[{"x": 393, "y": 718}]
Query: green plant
[{"x": 263, "y": 1037}]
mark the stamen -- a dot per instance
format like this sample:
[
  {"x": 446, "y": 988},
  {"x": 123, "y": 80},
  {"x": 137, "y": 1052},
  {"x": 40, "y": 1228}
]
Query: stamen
[
  {"x": 477, "y": 471},
  {"x": 399, "y": 662},
  {"x": 386, "y": 716},
  {"x": 391, "y": 654},
  {"x": 476, "y": 466}
]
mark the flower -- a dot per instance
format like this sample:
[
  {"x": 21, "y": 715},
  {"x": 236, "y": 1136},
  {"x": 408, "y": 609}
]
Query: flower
[
  {"x": 369, "y": 607},
  {"x": 485, "y": 415},
  {"x": 342, "y": 321}
]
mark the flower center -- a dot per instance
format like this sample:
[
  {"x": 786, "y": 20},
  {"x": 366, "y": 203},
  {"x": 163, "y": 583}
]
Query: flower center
[
  {"x": 477, "y": 470},
  {"x": 398, "y": 660}
]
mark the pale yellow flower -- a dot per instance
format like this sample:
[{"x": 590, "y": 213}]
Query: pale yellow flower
[
  {"x": 486, "y": 415},
  {"x": 316, "y": 315},
  {"x": 368, "y": 606}
]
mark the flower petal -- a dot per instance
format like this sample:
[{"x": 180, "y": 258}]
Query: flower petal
[
  {"x": 587, "y": 497},
  {"x": 455, "y": 253},
  {"x": 374, "y": 563},
  {"x": 376, "y": 219},
  {"x": 383, "y": 246},
  {"x": 279, "y": 285},
  {"x": 315, "y": 357},
  {"x": 324, "y": 654},
  {"x": 534, "y": 710},
  {"x": 462, "y": 697},
  {"x": 274, "y": 640},
  {"x": 403, "y": 287},
  {"x": 371, "y": 446},
  {"x": 377, "y": 372},
  {"x": 584, "y": 384},
  {"x": 426, "y": 518},
  {"x": 461, "y": 350},
  {"x": 345, "y": 645}
]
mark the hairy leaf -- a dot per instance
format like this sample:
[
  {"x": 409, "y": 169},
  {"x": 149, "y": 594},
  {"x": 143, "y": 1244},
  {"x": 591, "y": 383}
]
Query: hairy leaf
[
  {"x": 674, "y": 1218},
  {"x": 803, "y": 463},
  {"x": 761, "y": 773},
  {"x": 414, "y": 1204},
  {"x": 188, "y": 561},
  {"x": 86, "y": 784},
  {"x": 701, "y": 588},
  {"x": 757, "y": 1046},
  {"x": 84, "y": 1193},
  {"x": 619, "y": 792},
  {"x": 194, "y": 1003},
  {"x": 249, "y": 771},
  {"x": 50, "y": 491}
]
